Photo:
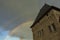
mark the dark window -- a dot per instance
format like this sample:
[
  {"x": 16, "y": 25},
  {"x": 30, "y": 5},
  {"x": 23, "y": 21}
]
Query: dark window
[
  {"x": 40, "y": 33},
  {"x": 52, "y": 28},
  {"x": 59, "y": 18}
]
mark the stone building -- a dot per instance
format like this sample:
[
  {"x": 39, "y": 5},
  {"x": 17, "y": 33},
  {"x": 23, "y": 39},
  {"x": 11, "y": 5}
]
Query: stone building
[{"x": 47, "y": 24}]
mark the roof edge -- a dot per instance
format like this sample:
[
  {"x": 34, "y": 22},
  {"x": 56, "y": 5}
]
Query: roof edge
[{"x": 51, "y": 7}]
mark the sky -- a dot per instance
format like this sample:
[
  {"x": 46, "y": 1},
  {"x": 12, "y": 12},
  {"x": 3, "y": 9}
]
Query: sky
[
  {"x": 23, "y": 30},
  {"x": 5, "y": 36},
  {"x": 13, "y": 13},
  {"x": 11, "y": 38}
]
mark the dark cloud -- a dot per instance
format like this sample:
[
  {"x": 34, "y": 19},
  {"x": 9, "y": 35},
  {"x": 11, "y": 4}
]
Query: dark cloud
[{"x": 14, "y": 12}]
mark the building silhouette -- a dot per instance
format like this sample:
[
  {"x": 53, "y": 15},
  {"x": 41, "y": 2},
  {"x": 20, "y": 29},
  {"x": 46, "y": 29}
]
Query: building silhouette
[{"x": 47, "y": 24}]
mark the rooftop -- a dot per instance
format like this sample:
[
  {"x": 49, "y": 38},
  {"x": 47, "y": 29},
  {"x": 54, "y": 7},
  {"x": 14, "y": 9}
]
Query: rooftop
[{"x": 43, "y": 11}]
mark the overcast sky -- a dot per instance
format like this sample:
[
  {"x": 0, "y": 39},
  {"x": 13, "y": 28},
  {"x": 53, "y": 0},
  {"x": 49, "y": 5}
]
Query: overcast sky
[{"x": 14, "y": 12}]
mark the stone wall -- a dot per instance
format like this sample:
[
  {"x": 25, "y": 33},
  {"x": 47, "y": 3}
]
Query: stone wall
[{"x": 43, "y": 24}]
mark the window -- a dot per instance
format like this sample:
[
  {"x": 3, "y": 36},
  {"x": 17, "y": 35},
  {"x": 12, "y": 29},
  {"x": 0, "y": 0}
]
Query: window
[
  {"x": 52, "y": 28},
  {"x": 59, "y": 18},
  {"x": 40, "y": 33}
]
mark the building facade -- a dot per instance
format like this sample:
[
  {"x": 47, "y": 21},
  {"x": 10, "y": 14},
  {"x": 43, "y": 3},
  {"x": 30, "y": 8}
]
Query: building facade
[{"x": 47, "y": 24}]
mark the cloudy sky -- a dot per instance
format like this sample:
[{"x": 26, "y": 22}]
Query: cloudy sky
[{"x": 15, "y": 12}]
